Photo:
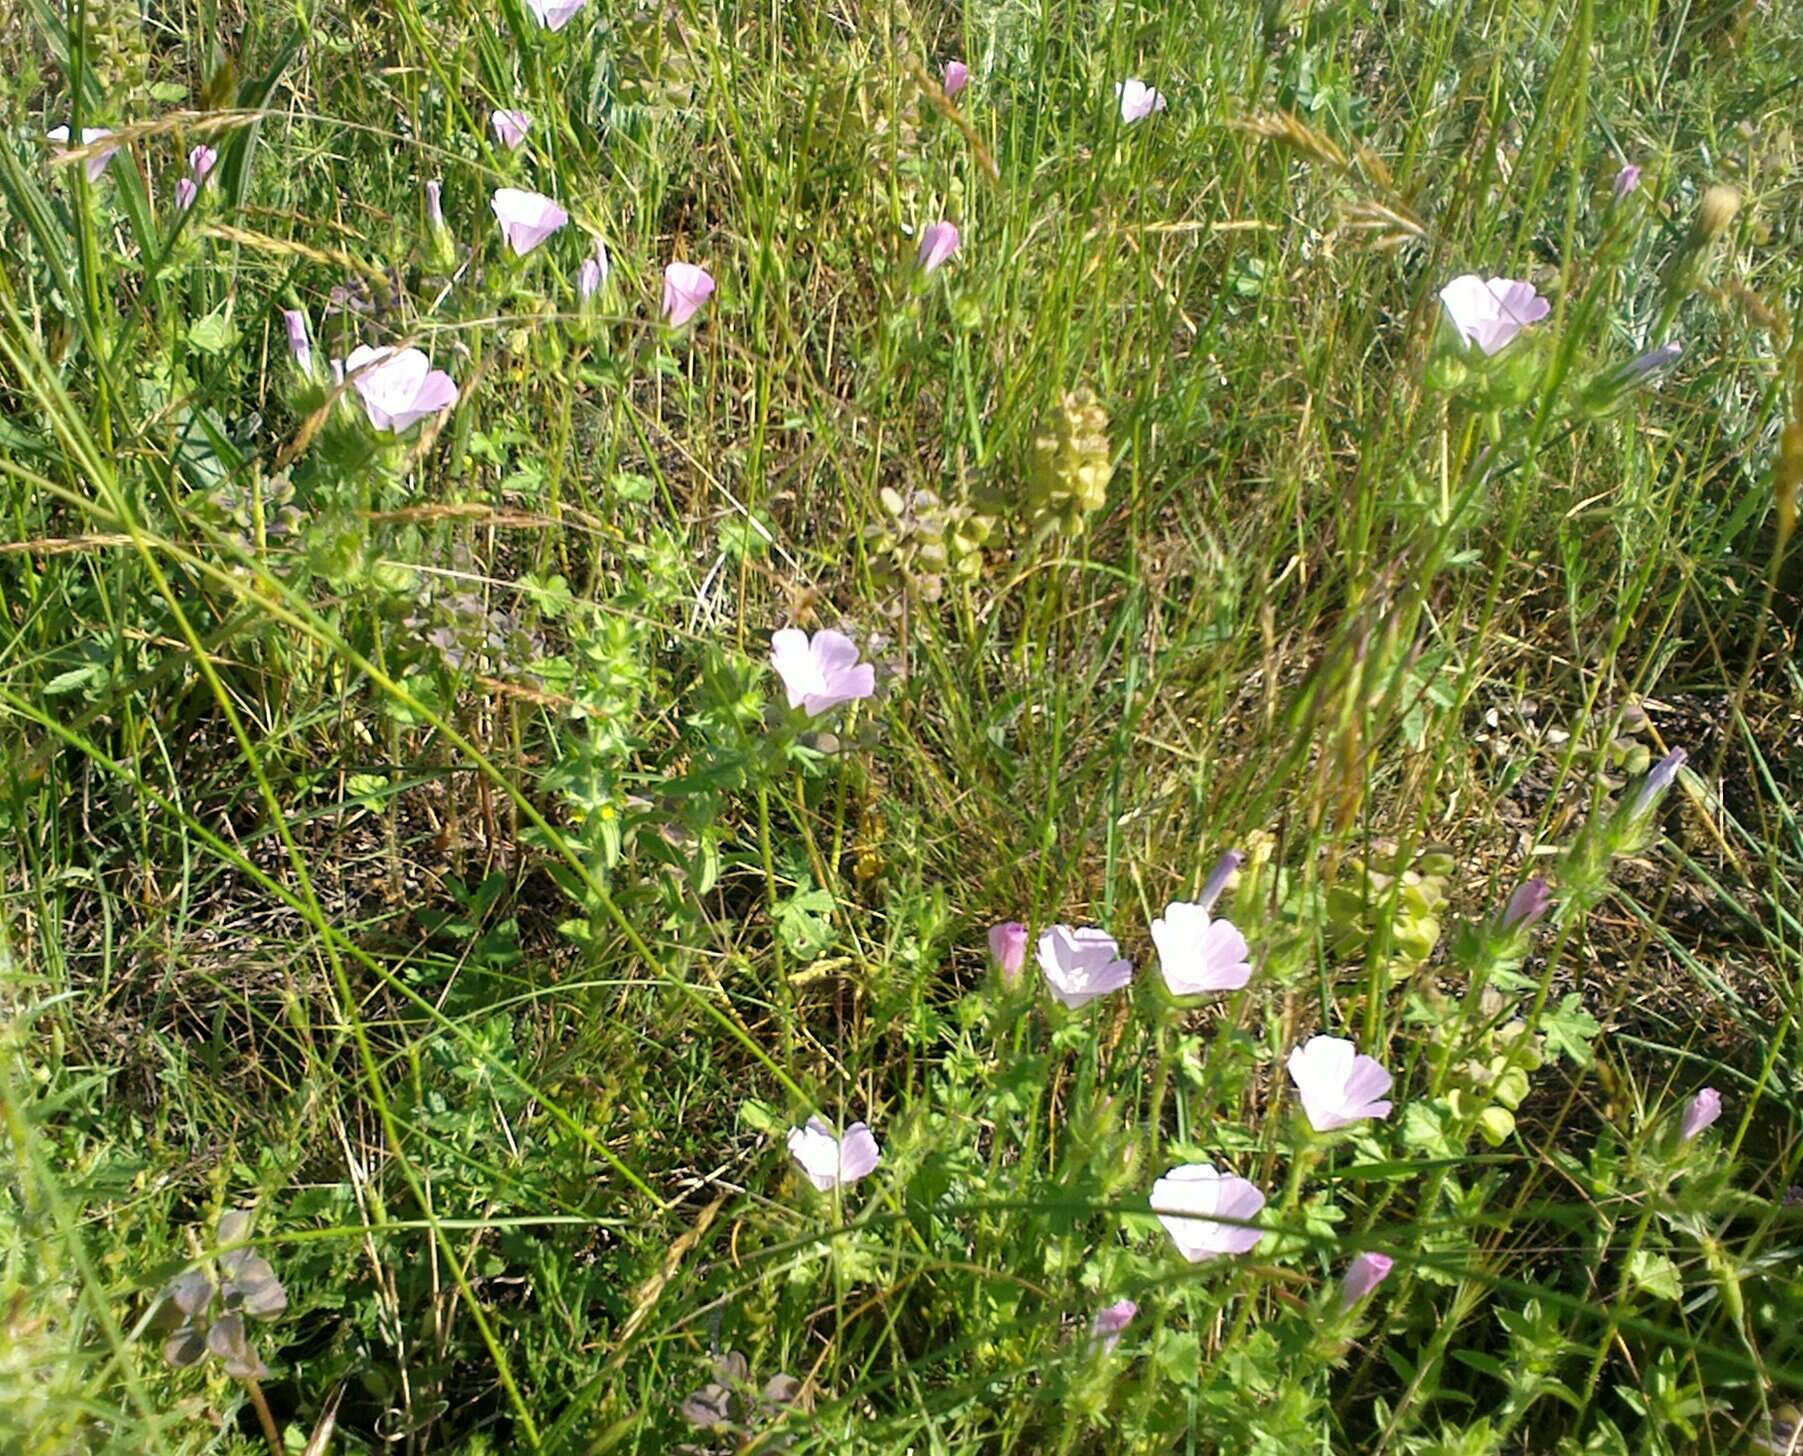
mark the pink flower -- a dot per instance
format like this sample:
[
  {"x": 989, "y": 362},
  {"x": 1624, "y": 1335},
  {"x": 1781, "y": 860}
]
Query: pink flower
[
  {"x": 554, "y": 14},
  {"x": 1702, "y": 1110},
  {"x": 435, "y": 204},
  {"x": 1008, "y": 948},
  {"x": 296, "y": 319},
  {"x": 1363, "y": 1275},
  {"x": 96, "y": 163},
  {"x": 1105, "y": 1329},
  {"x": 1527, "y": 905},
  {"x": 186, "y": 191},
  {"x": 1138, "y": 100},
  {"x": 399, "y": 388},
  {"x": 829, "y": 1162},
  {"x": 1191, "y": 1199},
  {"x": 1626, "y": 181},
  {"x": 1664, "y": 774},
  {"x": 1338, "y": 1086},
  {"x": 1197, "y": 954},
  {"x": 526, "y": 218},
  {"x": 201, "y": 161},
  {"x": 1081, "y": 965},
  {"x": 589, "y": 277},
  {"x": 686, "y": 288},
  {"x": 938, "y": 241},
  {"x": 1492, "y": 313},
  {"x": 957, "y": 75},
  {"x": 820, "y": 672},
  {"x": 1226, "y": 867},
  {"x": 510, "y": 127}
]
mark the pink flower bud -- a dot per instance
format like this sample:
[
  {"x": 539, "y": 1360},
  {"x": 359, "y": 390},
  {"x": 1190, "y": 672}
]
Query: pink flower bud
[
  {"x": 1008, "y": 948},
  {"x": 1701, "y": 1110},
  {"x": 957, "y": 76},
  {"x": 1363, "y": 1275}
]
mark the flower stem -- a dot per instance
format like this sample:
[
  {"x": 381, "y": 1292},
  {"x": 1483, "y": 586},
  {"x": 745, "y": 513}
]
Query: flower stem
[{"x": 270, "y": 1433}]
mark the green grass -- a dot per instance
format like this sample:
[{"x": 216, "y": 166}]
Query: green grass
[{"x": 409, "y": 842}]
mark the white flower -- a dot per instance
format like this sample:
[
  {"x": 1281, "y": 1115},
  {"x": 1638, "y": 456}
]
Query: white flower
[
  {"x": 1197, "y": 954},
  {"x": 1339, "y": 1086},
  {"x": 1138, "y": 100},
  {"x": 1491, "y": 313},
  {"x": 829, "y": 1162},
  {"x": 398, "y": 388},
  {"x": 1081, "y": 965},
  {"x": 1190, "y": 1199}
]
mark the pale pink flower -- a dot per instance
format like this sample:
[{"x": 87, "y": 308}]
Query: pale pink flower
[
  {"x": 1626, "y": 181},
  {"x": 1701, "y": 1110},
  {"x": 957, "y": 76},
  {"x": 398, "y": 387},
  {"x": 186, "y": 191},
  {"x": 938, "y": 241},
  {"x": 686, "y": 287},
  {"x": 1338, "y": 1085},
  {"x": 1197, "y": 954},
  {"x": 202, "y": 161},
  {"x": 526, "y": 218},
  {"x": 1492, "y": 312},
  {"x": 96, "y": 162},
  {"x": 435, "y": 204},
  {"x": 1105, "y": 1329},
  {"x": 1190, "y": 1201},
  {"x": 1138, "y": 100},
  {"x": 554, "y": 14},
  {"x": 1081, "y": 965},
  {"x": 510, "y": 127},
  {"x": 829, "y": 1162},
  {"x": 1363, "y": 1275},
  {"x": 296, "y": 320},
  {"x": 588, "y": 277},
  {"x": 1008, "y": 948},
  {"x": 822, "y": 671}
]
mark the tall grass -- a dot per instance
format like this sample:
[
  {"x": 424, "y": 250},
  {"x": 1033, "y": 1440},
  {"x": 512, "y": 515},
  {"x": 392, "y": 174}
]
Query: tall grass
[{"x": 409, "y": 844}]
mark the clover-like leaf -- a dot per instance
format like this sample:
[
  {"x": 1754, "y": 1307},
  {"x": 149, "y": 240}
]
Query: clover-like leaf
[{"x": 227, "y": 1339}]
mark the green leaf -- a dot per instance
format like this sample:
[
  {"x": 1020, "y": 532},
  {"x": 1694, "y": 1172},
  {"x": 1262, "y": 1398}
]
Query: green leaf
[
  {"x": 1571, "y": 1029},
  {"x": 1656, "y": 1274}
]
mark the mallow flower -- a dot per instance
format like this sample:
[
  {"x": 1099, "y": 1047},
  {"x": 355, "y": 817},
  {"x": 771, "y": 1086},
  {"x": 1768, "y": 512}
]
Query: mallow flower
[
  {"x": 1699, "y": 1112},
  {"x": 554, "y": 14},
  {"x": 1008, "y": 948},
  {"x": 1626, "y": 181},
  {"x": 202, "y": 161},
  {"x": 820, "y": 672},
  {"x": 1138, "y": 100},
  {"x": 1190, "y": 1199},
  {"x": 589, "y": 277},
  {"x": 186, "y": 191},
  {"x": 296, "y": 320},
  {"x": 96, "y": 163},
  {"x": 398, "y": 387},
  {"x": 1492, "y": 312},
  {"x": 1363, "y": 1275},
  {"x": 1081, "y": 965},
  {"x": 1196, "y": 954},
  {"x": 829, "y": 1162},
  {"x": 1226, "y": 867},
  {"x": 938, "y": 241},
  {"x": 526, "y": 218},
  {"x": 1527, "y": 906},
  {"x": 686, "y": 287},
  {"x": 1105, "y": 1329},
  {"x": 510, "y": 127},
  {"x": 1338, "y": 1085},
  {"x": 957, "y": 76},
  {"x": 1664, "y": 773}
]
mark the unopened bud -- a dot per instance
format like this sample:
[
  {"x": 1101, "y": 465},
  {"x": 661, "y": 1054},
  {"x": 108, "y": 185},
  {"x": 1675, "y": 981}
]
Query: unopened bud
[{"x": 1720, "y": 204}]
